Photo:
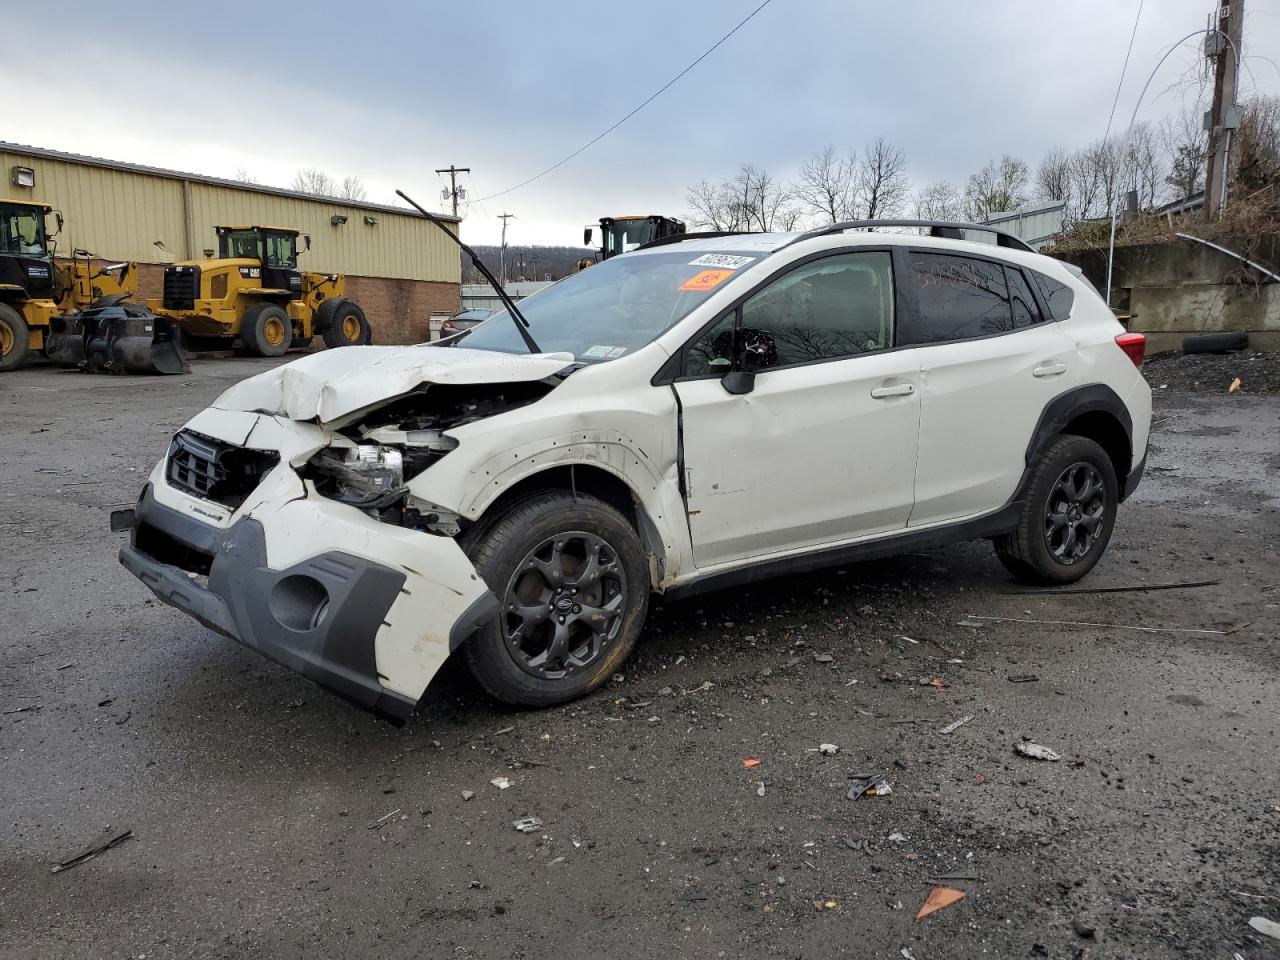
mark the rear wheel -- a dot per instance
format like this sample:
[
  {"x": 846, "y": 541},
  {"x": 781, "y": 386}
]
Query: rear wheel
[
  {"x": 266, "y": 330},
  {"x": 343, "y": 324},
  {"x": 573, "y": 590},
  {"x": 15, "y": 338},
  {"x": 1068, "y": 516}
]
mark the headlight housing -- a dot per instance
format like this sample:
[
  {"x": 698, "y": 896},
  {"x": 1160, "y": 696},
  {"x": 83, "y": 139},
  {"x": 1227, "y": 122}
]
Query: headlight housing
[{"x": 368, "y": 475}]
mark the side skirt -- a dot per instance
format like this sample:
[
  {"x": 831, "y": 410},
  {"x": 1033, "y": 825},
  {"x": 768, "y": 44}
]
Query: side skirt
[{"x": 1002, "y": 521}]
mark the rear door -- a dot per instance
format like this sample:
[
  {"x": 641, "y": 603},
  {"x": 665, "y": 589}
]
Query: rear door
[
  {"x": 822, "y": 449},
  {"x": 989, "y": 363}
]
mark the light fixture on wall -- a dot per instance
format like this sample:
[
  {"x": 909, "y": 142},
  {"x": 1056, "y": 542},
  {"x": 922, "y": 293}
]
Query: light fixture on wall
[
  {"x": 370, "y": 220},
  {"x": 24, "y": 177},
  {"x": 337, "y": 219}
]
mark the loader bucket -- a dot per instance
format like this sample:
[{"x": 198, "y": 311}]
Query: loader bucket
[
  {"x": 120, "y": 337},
  {"x": 64, "y": 340}
]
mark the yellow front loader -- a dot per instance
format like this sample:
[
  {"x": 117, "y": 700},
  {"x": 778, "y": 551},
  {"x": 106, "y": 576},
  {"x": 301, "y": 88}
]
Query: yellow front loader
[{"x": 254, "y": 291}]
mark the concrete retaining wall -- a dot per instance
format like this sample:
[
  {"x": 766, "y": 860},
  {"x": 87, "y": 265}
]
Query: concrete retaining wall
[{"x": 1180, "y": 287}]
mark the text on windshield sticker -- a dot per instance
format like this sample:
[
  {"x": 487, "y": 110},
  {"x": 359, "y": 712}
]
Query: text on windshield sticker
[
  {"x": 725, "y": 260},
  {"x": 706, "y": 280}
]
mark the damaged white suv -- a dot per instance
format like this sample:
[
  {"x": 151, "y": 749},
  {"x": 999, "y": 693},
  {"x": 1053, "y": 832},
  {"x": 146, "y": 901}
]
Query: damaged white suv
[{"x": 700, "y": 413}]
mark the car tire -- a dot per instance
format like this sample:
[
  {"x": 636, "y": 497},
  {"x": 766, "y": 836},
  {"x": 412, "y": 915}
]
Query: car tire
[
  {"x": 564, "y": 625},
  {"x": 342, "y": 324},
  {"x": 15, "y": 338},
  {"x": 266, "y": 330},
  {"x": 1067, "y": 517},
  {"x": 1216, "y": 342}
]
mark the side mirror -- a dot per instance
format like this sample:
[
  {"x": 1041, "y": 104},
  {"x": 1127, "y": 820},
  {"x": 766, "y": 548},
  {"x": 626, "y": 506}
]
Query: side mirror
[
  {"x": 306, "y": 242},
  {"x": 739, "y": 381},
  {"x": 586, "y": 236},
  {"x": 755, "y": 349},
  {"x": 57, "y": 215}
]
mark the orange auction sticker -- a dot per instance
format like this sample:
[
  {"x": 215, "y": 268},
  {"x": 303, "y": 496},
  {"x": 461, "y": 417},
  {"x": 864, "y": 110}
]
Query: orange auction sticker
[{"x": 706, "y": 280}]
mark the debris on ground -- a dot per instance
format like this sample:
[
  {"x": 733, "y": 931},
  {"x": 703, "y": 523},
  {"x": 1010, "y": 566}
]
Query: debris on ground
[
  {"x": 943, "y": 878},
  {"x": 1085, "y": 931},
  {"x": 823, "y": 658},
  {"x": 1235, "y": 386},
  {"x": 955, "y": 725},
  {"x": 760, "y": 788},
  {"x": 826, "y": 904},
  {"x": 1105, "y": 626},
  {"x": 501, "y": 782},
  {"x": 1035, "y": 751},
  {"x": 863, "y": 845},
  {"x": 1024, "y": 678},
  {"x": 873, "y": 786},
  {"x": 382, "y": 821},
  {"x": 527, "y": 824},
  {"x": 750, "y": 762},
  {"x": 1132, "y": 588},
  {"x": 939, "y": 899},
  {"x": 897, "y": 837},
  {"x": 109, "y": 839},
  {"x": 1268, "y": 928},
  {"x": 468, "y": 794},
  {"x": 828, "y": 749}
]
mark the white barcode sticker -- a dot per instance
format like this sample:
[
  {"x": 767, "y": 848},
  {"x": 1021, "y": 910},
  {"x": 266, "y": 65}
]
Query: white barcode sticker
[{"x": 724, "y": 261}]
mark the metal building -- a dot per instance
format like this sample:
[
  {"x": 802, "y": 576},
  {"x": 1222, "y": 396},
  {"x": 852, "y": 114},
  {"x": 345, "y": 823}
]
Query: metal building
[
  {"x": 1036, "y": 225},
  {"x": 400, "y": 268}
]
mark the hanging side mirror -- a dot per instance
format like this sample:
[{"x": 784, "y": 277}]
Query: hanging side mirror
[
  {"x": 739, "y": 381},
  {"x": 57, "y": 215},
  {"x": 306, "y": 242},
  {"x": 586, "y": 236}
]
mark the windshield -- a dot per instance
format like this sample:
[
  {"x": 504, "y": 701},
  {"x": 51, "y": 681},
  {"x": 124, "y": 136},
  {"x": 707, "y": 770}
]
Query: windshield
[
  {"x": 623, "y": 236},
  {"x": 613, "y": 308},
  {"x": 241, "y": 244},
  {"x": 22, "y": 231}
]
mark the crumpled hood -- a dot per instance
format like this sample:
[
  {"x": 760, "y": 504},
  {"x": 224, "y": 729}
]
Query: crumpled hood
[{"x": 329, "y": 385}]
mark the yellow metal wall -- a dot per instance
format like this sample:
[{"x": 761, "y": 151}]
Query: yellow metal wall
[{"x": 120, "y": 214}]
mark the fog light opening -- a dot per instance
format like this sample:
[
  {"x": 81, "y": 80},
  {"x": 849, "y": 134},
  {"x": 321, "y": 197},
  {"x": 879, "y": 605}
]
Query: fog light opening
[{"x": 299, "y": 602}]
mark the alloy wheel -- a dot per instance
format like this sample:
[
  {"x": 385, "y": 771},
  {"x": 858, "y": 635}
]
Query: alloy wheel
[
  {"x": 1075, "y": 513},
  {"x": 564, "y": 605}
]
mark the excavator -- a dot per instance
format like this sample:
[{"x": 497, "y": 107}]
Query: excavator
[
  {"x": 622, "y": 234},
  {"x": 76, "y": 314}
]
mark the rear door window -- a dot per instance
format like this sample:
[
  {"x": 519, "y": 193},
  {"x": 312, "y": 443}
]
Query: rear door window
[
  {"x": 959, "y": 297},
  {"x": 1022, "y": 303}
]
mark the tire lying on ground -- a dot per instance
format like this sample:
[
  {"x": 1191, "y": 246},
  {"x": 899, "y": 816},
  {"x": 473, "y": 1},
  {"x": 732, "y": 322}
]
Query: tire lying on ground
[
  {"x": 1215, "y": 342},
  {"x": 14, "y": 338},
  {"x": 342, "y": 323},
  {"x": 266, "y": 330}
]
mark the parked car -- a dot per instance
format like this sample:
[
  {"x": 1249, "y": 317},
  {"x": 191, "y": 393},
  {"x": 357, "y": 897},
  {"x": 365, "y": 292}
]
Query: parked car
[
  {"x": 693, "y": 415},
  {"x": 464, "y": 321}
]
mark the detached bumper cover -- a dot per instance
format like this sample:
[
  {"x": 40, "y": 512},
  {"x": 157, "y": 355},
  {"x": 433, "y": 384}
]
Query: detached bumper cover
[{"x": 318, "y": 617}]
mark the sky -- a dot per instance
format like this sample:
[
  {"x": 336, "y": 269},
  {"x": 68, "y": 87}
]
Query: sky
[{"x": 390, "y": 91}]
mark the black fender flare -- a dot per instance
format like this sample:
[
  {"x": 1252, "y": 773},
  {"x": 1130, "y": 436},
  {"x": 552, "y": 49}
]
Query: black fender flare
[{"x": 1066, "y": 407}]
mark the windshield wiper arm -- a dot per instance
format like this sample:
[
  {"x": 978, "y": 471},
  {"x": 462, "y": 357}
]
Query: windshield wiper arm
[{"x": 522, "y": 325}]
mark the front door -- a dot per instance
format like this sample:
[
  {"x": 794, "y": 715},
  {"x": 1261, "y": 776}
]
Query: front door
[{"x": 822, "y": 449}]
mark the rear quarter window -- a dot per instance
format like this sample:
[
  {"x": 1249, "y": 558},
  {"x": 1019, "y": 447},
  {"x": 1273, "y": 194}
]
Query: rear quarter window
[{"x": 1058, "y": 297}]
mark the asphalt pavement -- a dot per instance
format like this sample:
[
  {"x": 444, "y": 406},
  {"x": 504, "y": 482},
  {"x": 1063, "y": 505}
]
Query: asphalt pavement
[{"x": 270, "y": 819}]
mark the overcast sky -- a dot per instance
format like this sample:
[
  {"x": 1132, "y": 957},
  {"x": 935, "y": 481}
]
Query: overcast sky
[{"x": 390, "y": 91}]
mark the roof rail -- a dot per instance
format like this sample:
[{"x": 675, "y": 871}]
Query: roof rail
[
  {"x": 937, "y": 228},
  {"x": 703, "y": 235}
]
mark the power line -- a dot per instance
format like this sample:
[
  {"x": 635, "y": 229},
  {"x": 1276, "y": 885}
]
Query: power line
[
  {"x": 1123, "y": 70},
  {"x": 664, "y": 88}
]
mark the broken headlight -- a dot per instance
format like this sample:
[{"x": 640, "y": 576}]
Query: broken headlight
[{"x": 368, "y": 475}]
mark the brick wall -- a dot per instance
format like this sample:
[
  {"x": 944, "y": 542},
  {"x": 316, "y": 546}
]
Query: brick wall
[{"x": 398, "y": 310}]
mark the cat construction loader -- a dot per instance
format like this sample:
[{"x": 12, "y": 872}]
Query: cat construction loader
[
  {"x": 254, "y": 291},
  {"x": 76, "y": 314},
  {"x": 622, "y": 234}
]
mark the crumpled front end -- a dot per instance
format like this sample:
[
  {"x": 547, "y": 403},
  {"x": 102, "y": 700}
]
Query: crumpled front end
[{"x": 232, "y": 530}]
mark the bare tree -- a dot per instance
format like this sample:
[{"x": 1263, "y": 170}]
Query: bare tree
[
  {"x": 1257, "y": 152},
  {"x": 939, "y": 200},
  {"x": 1187, "y": 147},
  {"x": 1144, "y": 165},
  {"x": 351, "y": 189},
  {"x": 998, "y": 187},
  {"x": 315, "y": 181},
  {"x": 712, "y": 207},
  {"x": 880, "y": 181},
  {"x": 752, "y": 199},
  {"x": 825, "y": 186},
  {"x": 244, "y": 176},
  {"x": 1053, "y": 176}
]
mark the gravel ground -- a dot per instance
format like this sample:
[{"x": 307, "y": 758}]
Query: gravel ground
[
  {"x": 272, "y": 820},
  {"x": 1214, "y": 373}
]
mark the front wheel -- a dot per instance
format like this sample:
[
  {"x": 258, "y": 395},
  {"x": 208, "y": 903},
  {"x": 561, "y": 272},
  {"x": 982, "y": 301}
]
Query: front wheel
[
  {"x": 266, "y": 330},
  {"x": 1068, "y": 516},
  {"x": 15, "y": 338},
  {"x": 342, "y": 324},
  {"x": 573, "y": 589}
]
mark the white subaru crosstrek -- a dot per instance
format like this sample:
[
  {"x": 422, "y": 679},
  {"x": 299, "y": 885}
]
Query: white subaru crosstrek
[{"x": 700, "y": 413}]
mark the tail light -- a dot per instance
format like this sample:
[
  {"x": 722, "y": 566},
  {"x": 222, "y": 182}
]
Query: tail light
[
  {"x": 447, "y": 328},
  {"x": 1134, "y": 346}
]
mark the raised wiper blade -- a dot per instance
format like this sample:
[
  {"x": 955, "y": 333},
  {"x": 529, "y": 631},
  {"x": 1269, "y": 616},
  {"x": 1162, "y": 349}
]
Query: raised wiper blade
[{"x": 522, "y": 325}]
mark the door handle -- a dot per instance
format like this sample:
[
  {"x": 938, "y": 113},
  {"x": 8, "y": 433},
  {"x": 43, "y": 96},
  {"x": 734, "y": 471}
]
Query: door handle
[
  {"x": 897, "y": 390},
  {"x": 1050, "y": 368}
]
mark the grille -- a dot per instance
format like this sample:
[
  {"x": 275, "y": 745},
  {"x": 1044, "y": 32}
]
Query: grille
[
  {"x": 181, "y": 287},
  {"x": 214, "y": 470}
]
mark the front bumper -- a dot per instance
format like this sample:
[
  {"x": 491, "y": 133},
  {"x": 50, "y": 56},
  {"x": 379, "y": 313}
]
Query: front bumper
[{"x": 373, "y": 631}]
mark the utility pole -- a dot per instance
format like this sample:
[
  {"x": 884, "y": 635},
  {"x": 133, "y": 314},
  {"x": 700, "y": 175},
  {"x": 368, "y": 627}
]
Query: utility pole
[
  {"x": 502, "y": 255},
  {"x": 1222, "y": 45},
  {"x": 453, "y": 172}
]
